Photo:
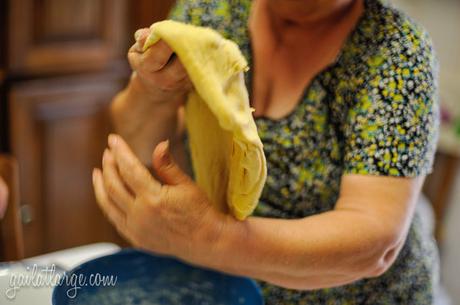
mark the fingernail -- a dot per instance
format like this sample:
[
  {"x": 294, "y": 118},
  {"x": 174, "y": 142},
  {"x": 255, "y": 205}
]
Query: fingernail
[
  {"x": 166, "y": 158},
  {"x": 112, "y": 140},
  {"x": 137, "y": 34}
]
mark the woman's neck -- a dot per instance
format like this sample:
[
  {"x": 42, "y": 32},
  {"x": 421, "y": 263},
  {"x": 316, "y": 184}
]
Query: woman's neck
[{"x": 287, "y": 55}]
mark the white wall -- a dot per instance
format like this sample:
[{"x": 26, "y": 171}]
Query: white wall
[{"x": 451, "y": 249}]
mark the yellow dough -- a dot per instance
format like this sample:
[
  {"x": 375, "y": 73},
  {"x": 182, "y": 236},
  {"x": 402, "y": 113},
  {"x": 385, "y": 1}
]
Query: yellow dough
[{"x": 226, "y": 151}]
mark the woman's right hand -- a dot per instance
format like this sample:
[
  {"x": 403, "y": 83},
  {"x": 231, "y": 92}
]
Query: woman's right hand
[{"x": 157, "y": 72}]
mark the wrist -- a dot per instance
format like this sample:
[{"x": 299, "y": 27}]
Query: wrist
[
  {"x": 209, "y": 236},
  {"x": 137, "y": 88}
]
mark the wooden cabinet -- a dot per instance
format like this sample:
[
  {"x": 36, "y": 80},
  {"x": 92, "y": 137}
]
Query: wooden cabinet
[
  {"x": 145, "y": 12},
  {"x": 62, "y": 36},
  {"x": 59, "y": 129},
  {"x": 61, "y": 63}
]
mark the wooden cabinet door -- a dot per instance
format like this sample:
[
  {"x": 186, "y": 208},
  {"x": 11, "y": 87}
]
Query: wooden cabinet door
[
  {"x": 58, "y": 133},
  {"x": 145, "y": 12},
  {"x": 3, "y": 119},
  {"x": 63, "y": 36}
]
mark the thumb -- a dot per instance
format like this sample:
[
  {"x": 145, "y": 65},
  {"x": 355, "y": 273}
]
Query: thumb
[{"x": 165, "y": 167}]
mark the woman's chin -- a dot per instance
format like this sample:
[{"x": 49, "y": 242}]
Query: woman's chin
[{"x": 306, "y": 12}]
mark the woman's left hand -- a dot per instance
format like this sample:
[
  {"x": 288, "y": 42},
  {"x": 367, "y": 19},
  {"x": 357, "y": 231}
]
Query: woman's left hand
[{"x": 168, "y": 218}]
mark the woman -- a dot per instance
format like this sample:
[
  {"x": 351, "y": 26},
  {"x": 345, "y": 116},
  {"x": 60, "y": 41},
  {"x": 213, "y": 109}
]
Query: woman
[{"x": 345, "y": 99}]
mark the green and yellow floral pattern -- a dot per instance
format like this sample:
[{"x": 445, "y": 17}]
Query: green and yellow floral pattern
[{"x": 373, "y": 112}]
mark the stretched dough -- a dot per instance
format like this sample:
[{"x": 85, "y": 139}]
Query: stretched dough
[{"x": 226, "y": 151}]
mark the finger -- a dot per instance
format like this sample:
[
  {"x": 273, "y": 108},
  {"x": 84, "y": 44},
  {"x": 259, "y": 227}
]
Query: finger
[
  {"x": 141, "y": 36},
  {"x": 135, "y": 60},
  {"x": 147, "y": 65},
  {"x": 114, "y": 186},
  {"x": 172, "y": 77},
  {"x": 157, "y": 56},
  {"x": 132, "y": 171},
  {"x": 175, "y": 67},
  {"x": 115, "y": 215},
  {"x": 176, "y": 73},
  {"x": 154, "y": 59},
  {"x": 166, "y": 168}
]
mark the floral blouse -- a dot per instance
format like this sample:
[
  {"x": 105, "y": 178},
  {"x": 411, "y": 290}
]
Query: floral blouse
[{"x": 374, "y": 111}]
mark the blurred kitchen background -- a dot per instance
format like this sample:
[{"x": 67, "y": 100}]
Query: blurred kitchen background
[{"x": 61, "y": 62}]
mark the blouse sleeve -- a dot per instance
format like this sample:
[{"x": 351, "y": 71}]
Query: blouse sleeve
[{"x": 391, "y": 128}]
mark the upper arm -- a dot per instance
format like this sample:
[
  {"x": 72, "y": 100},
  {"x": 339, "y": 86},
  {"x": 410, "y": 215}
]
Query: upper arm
[
  {"x": 389, "y": 201},
  {"x": 390, "y": 133},
  {"x": 387, "y": 205},
  {"x": 391, "y": 127}
]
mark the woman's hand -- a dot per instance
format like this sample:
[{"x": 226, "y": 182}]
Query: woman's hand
[
  {"x": 158, "y": 71},
  {"x": 169, "y": 218},
  {"x": 3, "y": 197},
  {"x": 148, "y": 109},
  {"x": 360, "y": 238}
]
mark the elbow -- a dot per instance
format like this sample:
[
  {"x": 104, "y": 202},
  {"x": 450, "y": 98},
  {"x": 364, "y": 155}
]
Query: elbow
[
  {"x": 373, "y": 249},
  {"x": 384, "y": 255},
  {"x": 369, "y": 259},
  {"x": 383, "y": 263}
]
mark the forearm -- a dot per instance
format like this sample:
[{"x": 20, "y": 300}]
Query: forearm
[
  {"x": 326, "y": 250},
  {"x": 145, "y": 119}
]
